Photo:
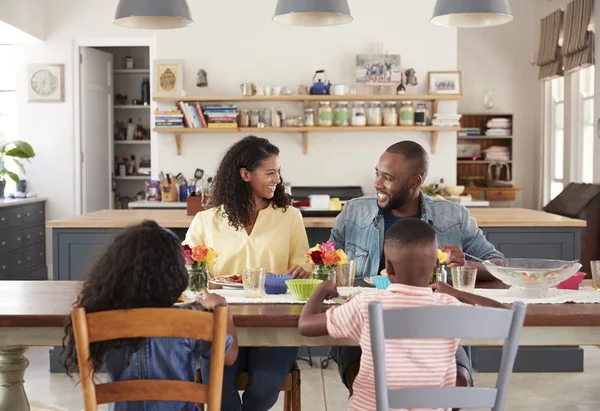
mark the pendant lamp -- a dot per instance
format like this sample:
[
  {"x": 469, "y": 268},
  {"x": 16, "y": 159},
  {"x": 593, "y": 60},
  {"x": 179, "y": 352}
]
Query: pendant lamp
[
  {"x": 153, "y": 14},
  {"x": 312, "y": 12},
  {"x": 471, "y": 13}
]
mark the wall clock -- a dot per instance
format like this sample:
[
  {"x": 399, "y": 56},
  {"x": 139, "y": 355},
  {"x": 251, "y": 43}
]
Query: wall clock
[{"x": 46, "y": 82}]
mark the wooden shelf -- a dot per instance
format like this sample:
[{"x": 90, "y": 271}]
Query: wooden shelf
[
  {"x": 434, "y": 130},
  {"x": 132, "y": 107},
  {"x": 327, "y": 97},
  {"x": 132, "y": 71},
  {"x": 485, "y": 137},
  {"x": 134, "y": 142},
  {"x": 132, "y": 178},
  {"x": 482, "y": 161}
]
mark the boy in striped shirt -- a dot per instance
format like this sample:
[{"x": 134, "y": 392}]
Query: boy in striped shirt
[{"x": 410, "y": 257}]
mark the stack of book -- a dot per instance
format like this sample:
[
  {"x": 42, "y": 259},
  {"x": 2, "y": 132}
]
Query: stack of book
[
  {"x": 499, "y": 127},
  {"x": 469, "y": 132},
  {"x": 221, "y": 116},
  {"x": 446, "y": 120},
  {"x": 168, "y": 117},
  {"x": 497, "y": 153},
  {"x": 192, "y": 114}
]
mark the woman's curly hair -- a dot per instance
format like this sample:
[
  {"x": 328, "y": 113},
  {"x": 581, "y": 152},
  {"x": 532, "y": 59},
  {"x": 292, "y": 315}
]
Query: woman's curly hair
[
  {"x": 233, "y": 193},
  {"x": 143, "y": 268}
]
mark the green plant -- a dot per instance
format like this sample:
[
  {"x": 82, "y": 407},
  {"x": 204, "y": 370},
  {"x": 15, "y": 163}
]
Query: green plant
[
  {"x": 14, "y": 151},
  {"x": 430, "y": 190}
]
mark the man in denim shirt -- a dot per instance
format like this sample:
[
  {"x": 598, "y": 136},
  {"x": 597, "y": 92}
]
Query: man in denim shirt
[{"x": 360, "y": 228}]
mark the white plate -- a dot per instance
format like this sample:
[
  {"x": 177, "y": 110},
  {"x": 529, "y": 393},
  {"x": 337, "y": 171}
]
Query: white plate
[
  {"x": 187, "y": 301},
  {"x": 369, "y": 281},
  {"x": 226, "y": 285}
]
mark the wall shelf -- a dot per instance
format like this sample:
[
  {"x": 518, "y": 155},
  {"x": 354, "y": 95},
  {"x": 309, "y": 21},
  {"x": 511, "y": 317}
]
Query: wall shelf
[
  {"x": 132, "y": 178},
  {"x": 132, "y": 71},
  {"x": 482, "y": 161},
  {"x": 132, "y": 107},
  {"x": 299, "y": 98},
  {"x": 304, "y": 130},
  {"x": 132, "y": 142}
]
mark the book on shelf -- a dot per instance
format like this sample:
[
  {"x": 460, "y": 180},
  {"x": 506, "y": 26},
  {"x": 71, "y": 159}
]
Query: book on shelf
[
  {"x": 159, "y": 124},
  {"x": 222, "y": 125}
]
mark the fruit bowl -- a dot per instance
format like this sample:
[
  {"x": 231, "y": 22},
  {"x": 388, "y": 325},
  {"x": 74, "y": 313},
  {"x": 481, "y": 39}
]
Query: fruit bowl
[
  {"x": 454, "y": 190},
  {"x": 303, "y": 288},
  {"x": 530, "y": 277}
]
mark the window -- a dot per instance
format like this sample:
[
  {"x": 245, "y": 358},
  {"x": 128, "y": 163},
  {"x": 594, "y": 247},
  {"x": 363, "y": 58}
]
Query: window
[
  {"x": 557, "y": 135},
  {"x": 586, "y": 132},
  {"x": 8, "y": 94}
]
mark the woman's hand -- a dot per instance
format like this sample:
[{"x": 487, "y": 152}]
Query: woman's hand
[
  {"x": 209, "y": 301},
  {"x": 297, "y": 271},
  {"x": 457, "y": 256}
]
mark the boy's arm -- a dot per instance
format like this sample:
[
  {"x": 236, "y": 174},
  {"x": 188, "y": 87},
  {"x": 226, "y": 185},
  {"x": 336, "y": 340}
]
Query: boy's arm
[
  {"x": 465, "y": 297},
  {"x": 313, "y": 320}
]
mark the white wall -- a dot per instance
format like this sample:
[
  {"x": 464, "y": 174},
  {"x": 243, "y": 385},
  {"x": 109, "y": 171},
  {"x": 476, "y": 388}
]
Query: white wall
[
  {"x": 248, "y": 46},
  {"x": 25, "y": 15},
  {"x": 499, "y": 59}
]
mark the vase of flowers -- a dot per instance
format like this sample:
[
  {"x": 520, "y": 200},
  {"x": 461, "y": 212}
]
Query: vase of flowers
[
  {"x": 198, "y": 260},
  {"x": 324, "y": 258},
  {"x": 441, "y": 274}
]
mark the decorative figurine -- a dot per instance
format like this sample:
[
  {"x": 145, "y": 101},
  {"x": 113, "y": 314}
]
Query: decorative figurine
[
  {"x": 411, "y": 79},
  {"x": 201, "y": 79}
]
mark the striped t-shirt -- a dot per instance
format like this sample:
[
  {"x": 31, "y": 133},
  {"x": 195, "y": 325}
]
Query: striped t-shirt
[{"x": 410, "y": 363}]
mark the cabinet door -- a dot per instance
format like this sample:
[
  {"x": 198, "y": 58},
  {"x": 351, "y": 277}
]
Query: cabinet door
[
  {"x": 543, "y": 242},
  {"x": 11, "y": 217},
  {"x": 75, "y": 250},
  {"x": 34, "y": 213}
]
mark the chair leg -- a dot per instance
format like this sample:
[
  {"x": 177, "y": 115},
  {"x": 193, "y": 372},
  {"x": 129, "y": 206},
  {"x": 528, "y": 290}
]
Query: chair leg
[
  {"x": 296, "y": 392},
  {"x": 325, "y": 362},
  {"x": 309, "y": 359},
  {"x": 287, "y": 401}
]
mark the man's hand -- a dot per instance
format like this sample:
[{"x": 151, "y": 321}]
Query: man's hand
[
  {"x": 326, "y": 290},
  {"x": 297, "y": 271},
  {"x": 209, "y": 301},
  {"x": 457, "y": 257},
  {"x": 444, "y": 288}
]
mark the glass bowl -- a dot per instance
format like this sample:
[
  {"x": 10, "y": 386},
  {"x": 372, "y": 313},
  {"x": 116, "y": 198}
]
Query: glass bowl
[{"x": 533, "y": 277}]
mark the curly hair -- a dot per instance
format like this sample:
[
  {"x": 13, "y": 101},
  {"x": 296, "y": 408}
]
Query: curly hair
[
  {"x": 142, "y": 268},
  {"x": 233, "y": 193}
]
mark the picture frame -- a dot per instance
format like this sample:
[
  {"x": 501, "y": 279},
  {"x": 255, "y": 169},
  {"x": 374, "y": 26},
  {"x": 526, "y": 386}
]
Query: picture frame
[
  {"x": 168, "y": 78},
  {"x": 378, "y": 69},
  {"x": 445, "y": 82},
  {"x": 46, "y": 83}
]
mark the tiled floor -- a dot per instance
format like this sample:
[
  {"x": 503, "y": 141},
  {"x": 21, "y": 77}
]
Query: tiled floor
[{"x": 323, "y": 391}]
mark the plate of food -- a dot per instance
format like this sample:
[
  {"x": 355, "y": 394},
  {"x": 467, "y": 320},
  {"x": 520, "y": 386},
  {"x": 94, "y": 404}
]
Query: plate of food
[
  {"x": 184, "y": 301},
  {"x": 228, "y": 281},
  {"x": 343, "y": 299},
  {"x": 369, "y": 280}
]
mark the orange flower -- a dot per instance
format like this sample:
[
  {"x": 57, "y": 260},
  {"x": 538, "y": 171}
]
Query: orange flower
[
  {"x": 330, "y": 257},
  {"x": 199, "y": 252}
]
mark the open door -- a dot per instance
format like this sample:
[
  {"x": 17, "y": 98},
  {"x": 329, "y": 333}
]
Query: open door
[{"x": 96, "y": 71}]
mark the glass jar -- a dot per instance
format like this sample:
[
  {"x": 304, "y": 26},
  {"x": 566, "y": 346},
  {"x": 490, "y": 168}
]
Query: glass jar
[
  {"x": 407, "y": 114},
  {"x": 325, "y": 114},
  {"x": 341, "y": 114},
  {"x": 323, "y": 272},
  {"x": 299, "y": 121},
  {"x": 254, "y": 118},
  {"x": 374, "y": 114},
  {"x": 390, "y": 115},
  {"x": 198, "y": 277},
  {"x": 440, "y": 275},
  {"x": 358, "y": 114},
  {"x": 309, "y": 117},
  {"x": 244, "y": 118},
  {"x": 421, "y": 115}
]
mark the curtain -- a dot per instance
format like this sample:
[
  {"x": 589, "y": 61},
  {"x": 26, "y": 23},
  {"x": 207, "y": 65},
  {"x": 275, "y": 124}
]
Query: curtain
[
  {"x": 578, "y": 48},
  {"x": 549, "y": 56}
]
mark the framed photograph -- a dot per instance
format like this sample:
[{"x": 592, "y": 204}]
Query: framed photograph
[
  {"x": 168, "y": 78},
  {"x": 378, "y": 69},
  {"x": 445, "y": 82},
  {"x": 46, "y": 82}
]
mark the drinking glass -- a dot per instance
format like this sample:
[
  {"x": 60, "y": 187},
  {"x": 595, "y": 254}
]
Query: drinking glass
[
  {"x": 595, "y": 265},
  {"x": 346, "y": 273},
  {"x": 463, "y": 278},
  {"x": 254, "y": 282}
]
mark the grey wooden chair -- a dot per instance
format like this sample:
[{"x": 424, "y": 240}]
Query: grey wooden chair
[{"x": 445, "y": 322}]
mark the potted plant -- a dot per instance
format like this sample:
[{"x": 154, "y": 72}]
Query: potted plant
[
  {"x": 198, "y": 260},
  {"x": 13, "y": 152},
  {"x": 324, "y": 258}
]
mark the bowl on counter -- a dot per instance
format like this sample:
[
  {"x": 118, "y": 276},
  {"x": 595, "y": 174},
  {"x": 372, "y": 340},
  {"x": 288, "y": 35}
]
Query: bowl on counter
[
  {"x": 302, "y": 289},
  {"x": 275, "y": 283},
  {"x": 530, "y": 277},
  {"x": 454, "y": 190}
]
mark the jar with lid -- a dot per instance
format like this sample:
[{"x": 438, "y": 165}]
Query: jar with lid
[
  {"x": 298, "y": 121},
  {"x": 309, "y": 117},
  {"x": 374, "y": 114},
  {"x": 390, "y": 115},
  {"x": 421, "y": 115},
  {"x": 407, "y": 114},
  {"x": 244, "y": 118},
  {"x": 254, "y": 118},
  {"x": 340, "y": 115},
  {"x": 358, "y": 114},
  {"x": 325, "y": 114}
]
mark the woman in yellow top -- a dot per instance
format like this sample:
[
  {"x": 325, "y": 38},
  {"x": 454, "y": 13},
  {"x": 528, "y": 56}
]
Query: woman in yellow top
[{"x": 252, "y": 225}]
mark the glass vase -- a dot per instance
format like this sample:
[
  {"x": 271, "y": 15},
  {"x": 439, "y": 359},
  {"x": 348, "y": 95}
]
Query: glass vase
[
  {"x": 440, "y": 275},
  {"x": 323, "y": 272},
  {"x": 198, "y": 278}
]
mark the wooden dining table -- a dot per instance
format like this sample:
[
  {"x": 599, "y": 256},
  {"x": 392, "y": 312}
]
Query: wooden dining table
[{"x": 32, "y": 313}]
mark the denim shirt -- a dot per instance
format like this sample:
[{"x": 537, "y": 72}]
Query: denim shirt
[
  {"x": 158, "y": 359},
  {"x": 359, "y": 230}
]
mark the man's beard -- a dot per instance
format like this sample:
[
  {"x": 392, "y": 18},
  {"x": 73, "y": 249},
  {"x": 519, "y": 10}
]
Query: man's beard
[{"x": 397, "y": 201}]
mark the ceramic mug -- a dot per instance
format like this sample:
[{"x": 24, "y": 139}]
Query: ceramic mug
[
  {"x": 247, "y": 89},
  {"x": 287, "y": 91},
  {"x": 340, "y": 89},
  {"x": 268, "y": 90},
  {"x": 276, "y": 90}
]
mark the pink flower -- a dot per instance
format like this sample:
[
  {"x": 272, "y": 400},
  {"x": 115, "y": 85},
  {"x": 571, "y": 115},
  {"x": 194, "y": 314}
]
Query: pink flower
[
  {"x": 187, "y": 255},
  {"x": 327, "y": 246}
]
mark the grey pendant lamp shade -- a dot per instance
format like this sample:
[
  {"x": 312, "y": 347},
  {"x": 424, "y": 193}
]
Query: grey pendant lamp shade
[
  {"x": 312, "y": 12},
  {"x": 471, "y": 13},
  {"x": 153, "y": 14}
]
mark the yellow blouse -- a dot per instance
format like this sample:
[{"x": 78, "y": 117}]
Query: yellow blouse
[{"x": 277, "y": 241}]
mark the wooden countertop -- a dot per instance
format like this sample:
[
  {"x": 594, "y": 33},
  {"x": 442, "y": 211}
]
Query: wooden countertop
[
  {"x": 486, "y": 217},
  {"x": 47, "y": 303}
]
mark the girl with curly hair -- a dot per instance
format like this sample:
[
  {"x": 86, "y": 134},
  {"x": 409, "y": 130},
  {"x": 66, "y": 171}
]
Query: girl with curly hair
[
  {"x": 252, "y": 225},
  {"x": 143, "y": 268}
]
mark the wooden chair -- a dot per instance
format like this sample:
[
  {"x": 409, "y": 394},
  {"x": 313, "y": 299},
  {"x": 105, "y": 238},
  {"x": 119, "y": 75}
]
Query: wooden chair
[
  {"x": 291, "y": 388},
  {"x": 445, "y": 322},
  {"x": 150, "y": 322}
]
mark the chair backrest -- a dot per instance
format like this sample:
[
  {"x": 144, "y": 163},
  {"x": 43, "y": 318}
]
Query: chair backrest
[
  {"x": 150, "y": 322},
  {"x": 445, "y": 322}
]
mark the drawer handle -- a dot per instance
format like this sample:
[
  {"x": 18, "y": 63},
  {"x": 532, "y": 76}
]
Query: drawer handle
[
  {"x": 4, "y": 267},
  {"x": 41, "y": 254},
  {"x": 40, "y": 233},
  {"x": 18, "y": 239},
  {"x": 18, "y": 261},
  {"x": 28, "y": 235},
  {"x": 40, "y": 211},
  {"x": 27, "y": 214},
  {"x": 3, "y": 242},
  {"x": 3, "y": 218},
  {"x": 28, "y": 258},
  {"x": 18, "y": 215}
]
